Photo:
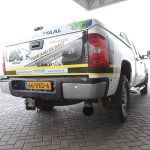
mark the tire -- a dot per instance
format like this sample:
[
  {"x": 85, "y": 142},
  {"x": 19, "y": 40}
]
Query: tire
[
  {"x": 47, "y": 108},
  {"x": 145, "y": 89},
  {"x": 121, "y": 98}
]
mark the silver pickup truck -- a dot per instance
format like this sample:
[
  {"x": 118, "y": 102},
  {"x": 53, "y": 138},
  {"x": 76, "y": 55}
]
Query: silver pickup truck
[{"x": 78, "y": 62}]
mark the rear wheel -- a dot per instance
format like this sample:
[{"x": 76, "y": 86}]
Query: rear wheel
[
  {"x": 145, "y": 89},
  {"x": 121, "y": 98}
]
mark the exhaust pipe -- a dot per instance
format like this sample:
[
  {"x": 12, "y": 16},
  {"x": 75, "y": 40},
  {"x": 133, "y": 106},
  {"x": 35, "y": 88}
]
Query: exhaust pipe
[{"x": 88, "y": 109}]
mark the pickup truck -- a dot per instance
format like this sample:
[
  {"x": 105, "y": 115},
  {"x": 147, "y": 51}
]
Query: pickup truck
[{"x": 79, "y": 62}]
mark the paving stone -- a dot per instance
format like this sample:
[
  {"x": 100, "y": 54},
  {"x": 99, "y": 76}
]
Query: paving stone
[
  {"x": 5, "y": 138},
  {"x": 144, "y": 140},
  {"x": 19, "y": 144},
  {"x": 27, "y": 146},
  {"x": 6, "y": 147},
  {"x": 37, "y": 148},
  {"x": 145, "y": 147},
  {"x": 2, "y": 143},
  {"x": 55, "y": 140},
  {"x": 75, "y": 146},
  {"x": 135, "y": 148},
  {"x": 54, "y": 147},
  {"x": 65, "y": 144},
  {"x": 41, "y": 144},
  {"x": 12, "y": 140}
]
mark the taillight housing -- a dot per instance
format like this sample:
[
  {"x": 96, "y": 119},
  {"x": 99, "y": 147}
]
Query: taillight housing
[{"x": 98, "y": 50}]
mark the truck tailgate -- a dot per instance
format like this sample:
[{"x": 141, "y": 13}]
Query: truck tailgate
[{"x": 60, "y": 55}]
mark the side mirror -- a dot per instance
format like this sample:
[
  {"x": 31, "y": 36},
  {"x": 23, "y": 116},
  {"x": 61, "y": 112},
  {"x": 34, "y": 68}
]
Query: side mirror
[
  {"x": 146, "y": 56},
  {"x": 148, "y": 53}
]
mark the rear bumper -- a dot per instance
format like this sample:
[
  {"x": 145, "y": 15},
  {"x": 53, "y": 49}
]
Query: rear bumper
[{"x": 74, "y": 88}]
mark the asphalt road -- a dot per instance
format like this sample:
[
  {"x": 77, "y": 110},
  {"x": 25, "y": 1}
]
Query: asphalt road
[{"x": 66, "y": 128}]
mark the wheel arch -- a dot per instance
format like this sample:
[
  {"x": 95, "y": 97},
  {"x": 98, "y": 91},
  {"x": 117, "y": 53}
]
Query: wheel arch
[{"x": 126, "y": 69}]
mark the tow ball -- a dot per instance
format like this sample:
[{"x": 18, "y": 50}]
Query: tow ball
[
  {"x": 88, "y": 109},
  {"x": 30, "y": 104}
]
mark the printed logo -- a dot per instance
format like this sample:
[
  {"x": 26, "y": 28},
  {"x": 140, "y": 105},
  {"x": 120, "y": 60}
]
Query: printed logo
[
  {"x": 15, "y": 56},
  {"x": 52, "y": 32}
]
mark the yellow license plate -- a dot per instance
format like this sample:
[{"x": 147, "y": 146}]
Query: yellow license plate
[{"x": 39, "y": 85}]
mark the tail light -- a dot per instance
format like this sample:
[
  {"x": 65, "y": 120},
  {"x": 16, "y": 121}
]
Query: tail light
[{"x": 98, "y": 51}]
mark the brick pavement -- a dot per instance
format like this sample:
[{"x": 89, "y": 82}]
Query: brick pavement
[{"x": 66, "y": 128}]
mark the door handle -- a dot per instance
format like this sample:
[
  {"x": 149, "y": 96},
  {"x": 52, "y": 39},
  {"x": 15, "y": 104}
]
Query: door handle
[{"x": 36, "y": 45}]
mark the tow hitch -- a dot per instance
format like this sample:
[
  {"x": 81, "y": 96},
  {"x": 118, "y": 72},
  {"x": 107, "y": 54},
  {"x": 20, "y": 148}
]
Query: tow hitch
[{"x": 30, "y": 104}]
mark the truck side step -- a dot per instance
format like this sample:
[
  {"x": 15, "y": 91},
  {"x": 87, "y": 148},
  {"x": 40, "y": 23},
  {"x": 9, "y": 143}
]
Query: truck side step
[
  {"x": 142, "y": 87},
  {"x": 135, "y": 90}
]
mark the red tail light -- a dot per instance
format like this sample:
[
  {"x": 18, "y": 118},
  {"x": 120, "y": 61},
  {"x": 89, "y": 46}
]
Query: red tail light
[{"x": 98, "y": 51}]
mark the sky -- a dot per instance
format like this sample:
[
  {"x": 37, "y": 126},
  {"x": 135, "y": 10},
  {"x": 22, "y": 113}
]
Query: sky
[{"x": 18, "y": 18}]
